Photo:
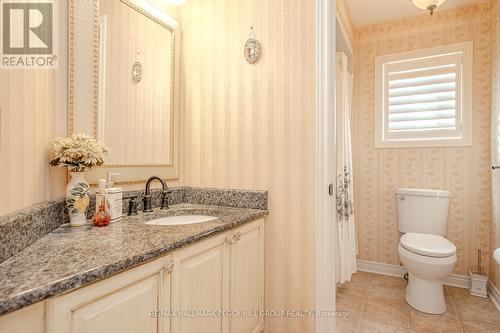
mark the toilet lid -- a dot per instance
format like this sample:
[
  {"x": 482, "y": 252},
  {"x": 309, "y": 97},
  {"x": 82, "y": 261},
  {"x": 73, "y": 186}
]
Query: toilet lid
[{"x": 428, "y": 245}]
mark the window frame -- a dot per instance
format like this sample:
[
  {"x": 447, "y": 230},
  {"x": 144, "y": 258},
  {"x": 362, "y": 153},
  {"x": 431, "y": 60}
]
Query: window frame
[{"x": 465, "y": 94}]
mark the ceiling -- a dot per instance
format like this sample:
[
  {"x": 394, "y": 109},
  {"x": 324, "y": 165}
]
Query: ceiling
[{"x": 366, "y": 12}]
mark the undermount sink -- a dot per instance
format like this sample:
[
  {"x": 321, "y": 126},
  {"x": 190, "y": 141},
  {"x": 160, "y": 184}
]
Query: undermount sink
[{"x": 182, "y": 220}]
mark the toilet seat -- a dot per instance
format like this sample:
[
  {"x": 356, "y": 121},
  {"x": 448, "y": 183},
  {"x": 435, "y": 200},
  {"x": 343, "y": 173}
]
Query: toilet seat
[{"x": 428, "y": 245}]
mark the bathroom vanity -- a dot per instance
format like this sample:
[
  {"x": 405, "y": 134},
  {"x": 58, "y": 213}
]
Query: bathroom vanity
[{"x": 136, "y": 277}]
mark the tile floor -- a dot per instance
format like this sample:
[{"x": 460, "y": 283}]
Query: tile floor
[{"x": 376, "y": 304}]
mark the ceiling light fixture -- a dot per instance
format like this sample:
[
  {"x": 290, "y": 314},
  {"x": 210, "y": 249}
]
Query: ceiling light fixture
[{"x": 430, "y": 5}]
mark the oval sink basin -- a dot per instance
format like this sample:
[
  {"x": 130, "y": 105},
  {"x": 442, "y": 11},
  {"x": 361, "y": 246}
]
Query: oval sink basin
[{"x": 182, "y": 220}]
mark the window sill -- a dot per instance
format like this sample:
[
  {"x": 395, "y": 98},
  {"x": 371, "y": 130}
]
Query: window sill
[{"x": 423, "y": 144}]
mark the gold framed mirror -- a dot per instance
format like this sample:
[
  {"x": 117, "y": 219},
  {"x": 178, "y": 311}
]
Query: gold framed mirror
[{"x": 123, "y": 85}]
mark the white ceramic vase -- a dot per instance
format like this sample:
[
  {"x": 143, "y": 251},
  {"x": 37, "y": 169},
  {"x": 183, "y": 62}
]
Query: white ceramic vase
[{"x": 77, "y": 199}]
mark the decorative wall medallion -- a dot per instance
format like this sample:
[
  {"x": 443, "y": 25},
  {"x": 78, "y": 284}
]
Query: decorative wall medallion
[
  {"x": 252, "y": 48},
  {"x": 137, "y": 72}
]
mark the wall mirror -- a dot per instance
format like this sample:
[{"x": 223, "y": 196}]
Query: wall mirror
[{"x": 124, "y": 58}]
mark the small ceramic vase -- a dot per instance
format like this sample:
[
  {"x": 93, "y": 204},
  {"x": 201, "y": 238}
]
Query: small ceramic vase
[{"x": 77, "y": 199}]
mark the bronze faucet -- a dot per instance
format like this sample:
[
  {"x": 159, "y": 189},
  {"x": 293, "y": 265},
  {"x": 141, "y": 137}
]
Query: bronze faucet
[{"x": 164, "y": 194}]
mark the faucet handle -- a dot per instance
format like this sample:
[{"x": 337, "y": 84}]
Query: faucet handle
[
  {"x": 132, "y": 206},
  {"x": 164, "y": 199},
  {"x": 147, "y": 204}
]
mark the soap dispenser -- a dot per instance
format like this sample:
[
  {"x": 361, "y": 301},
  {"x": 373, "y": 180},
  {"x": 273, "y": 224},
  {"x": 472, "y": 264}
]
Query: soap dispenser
[
  {"x": 115, "y": 197},
  {"x": 102, "y": 216}
]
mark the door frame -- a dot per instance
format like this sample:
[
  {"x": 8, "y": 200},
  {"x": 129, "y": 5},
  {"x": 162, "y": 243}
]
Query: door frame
[{"x": 325, "y": 164}]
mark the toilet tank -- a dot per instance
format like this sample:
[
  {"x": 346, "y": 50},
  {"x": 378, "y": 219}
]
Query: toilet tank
[{"x": 423, "y": 211}]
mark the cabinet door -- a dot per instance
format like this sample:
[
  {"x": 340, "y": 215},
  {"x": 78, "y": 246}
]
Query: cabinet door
[
  {"x": 127, "y": 302},
  {"x": 26, "y": 320},
  {"x": 126, "y": 310},
  {"x": 198, "y": 285},
  {"x": 246, "y": 293}
]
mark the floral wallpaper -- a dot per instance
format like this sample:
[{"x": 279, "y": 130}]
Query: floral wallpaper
[{"x": 465, "y": 171}]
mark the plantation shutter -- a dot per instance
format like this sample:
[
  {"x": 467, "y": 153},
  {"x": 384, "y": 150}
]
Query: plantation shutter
[{"x": 423, "y": 97}]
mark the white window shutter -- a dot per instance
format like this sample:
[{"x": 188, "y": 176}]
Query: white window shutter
[{"x": 424, "y": 98}]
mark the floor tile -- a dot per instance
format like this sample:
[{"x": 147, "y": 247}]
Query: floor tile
[
  {"x": 361, "y": 278},
  {"x": 387, "y": 313},
  {"x": 357, "y": 286},
  {"x": 352, "y": 290},
  {"x": 368, "y": 326},
  {"x": 383, "y": 294},
  {"x": 377, "y": 280},
  {"x": 347, "y": 325},
  {"x": 486, "y": 313},
  {"x": 426, "y": 323},
  {"x": 376, "y": 304},
  {"x": 346, "y": 302},
  {"x": 461, "y": 295},
  {"x": 353, "y": 306},
  {"x": 479, "y": 327},
  {"x": 451, "y": 311}
]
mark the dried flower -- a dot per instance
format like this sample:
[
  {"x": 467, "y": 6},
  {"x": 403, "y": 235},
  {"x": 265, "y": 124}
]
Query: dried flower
[{"x": 78, "y": 152}]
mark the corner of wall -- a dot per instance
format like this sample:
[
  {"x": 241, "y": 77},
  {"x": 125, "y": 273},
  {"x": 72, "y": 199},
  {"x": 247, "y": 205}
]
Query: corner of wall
[{"x": 345, "y": 18}]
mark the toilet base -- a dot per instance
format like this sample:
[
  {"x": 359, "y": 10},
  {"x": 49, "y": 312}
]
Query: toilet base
[{"x": 424, "y": 295}]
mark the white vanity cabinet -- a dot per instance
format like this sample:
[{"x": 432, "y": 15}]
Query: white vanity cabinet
[
  {"x": 246, "y": 280},
  {"x": 199, "y": 287},
  {"x": 123, "y": 303},
  {"x": 224, "y": 274},
  {"x": 196, "y": 284},
  {"x": 30, "y": 319}
]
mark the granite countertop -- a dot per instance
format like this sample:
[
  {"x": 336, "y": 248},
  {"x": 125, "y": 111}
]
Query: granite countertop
[{"x": 68, "y": 258}]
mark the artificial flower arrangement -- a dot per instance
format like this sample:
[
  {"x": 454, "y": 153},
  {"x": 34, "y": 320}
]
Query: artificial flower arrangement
[{"x": 78, "y": 153}]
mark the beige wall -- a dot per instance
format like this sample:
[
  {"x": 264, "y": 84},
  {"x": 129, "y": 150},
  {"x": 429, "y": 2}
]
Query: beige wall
[
  {"x": 32, "y": 111},
  {"x": 463, "y": 170},
  {"x": 252, "y": 126}
]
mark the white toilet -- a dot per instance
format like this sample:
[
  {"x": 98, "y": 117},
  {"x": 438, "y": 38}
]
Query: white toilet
[{"x": 423, "y": 250}]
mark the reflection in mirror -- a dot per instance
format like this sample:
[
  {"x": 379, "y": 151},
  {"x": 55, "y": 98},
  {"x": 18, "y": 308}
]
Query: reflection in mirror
[
  {"x": 135, "y": 100},
  {"x": 123, "y": 85}
]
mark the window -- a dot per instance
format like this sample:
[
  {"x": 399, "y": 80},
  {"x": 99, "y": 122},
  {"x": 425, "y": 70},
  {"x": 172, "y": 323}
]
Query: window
[{"x": 424, "y": 98}]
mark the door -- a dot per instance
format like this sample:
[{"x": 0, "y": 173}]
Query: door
[
  {"x": 246, "y": 293},
  {"x": 198, "y": 287}
]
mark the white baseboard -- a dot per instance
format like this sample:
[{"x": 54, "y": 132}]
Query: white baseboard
[
  {"x": 494, "y": 294},
  {"x": 457, "y": 280},
  {"x": 454, "y": 280},
  {"x": 380, "y": 268}
]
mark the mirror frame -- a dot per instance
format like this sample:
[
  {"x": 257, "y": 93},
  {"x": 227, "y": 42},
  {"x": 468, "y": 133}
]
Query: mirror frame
[{"x": 83, "y": 85}]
